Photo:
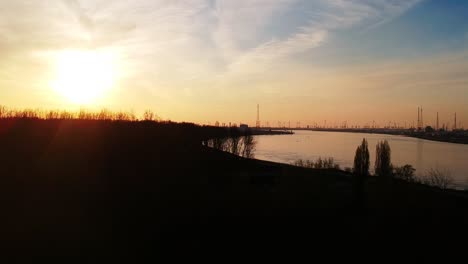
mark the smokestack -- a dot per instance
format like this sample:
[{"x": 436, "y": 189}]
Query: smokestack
[
  {"x": 455, "y": 125},
  {"x": 419, "y": 122},
  {"x": 422, "y": 119},
  {"x": 437, "y": 124},
  {"x": 258, "y": 116}
]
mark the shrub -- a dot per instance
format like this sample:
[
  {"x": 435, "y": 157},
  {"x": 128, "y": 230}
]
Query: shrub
[
  {"x": 438, "y": 178},
  {"x": 328, "y": 163},
  {"x": 82, "y": 114},
  {"x": 405, "y": 173}
]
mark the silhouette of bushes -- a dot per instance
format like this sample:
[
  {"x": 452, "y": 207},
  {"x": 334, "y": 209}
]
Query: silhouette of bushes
[
  {"x": 434, "y": 177},
  {"x": 82, "y": 114},
  {"x": 405, "y": 173},
  {"x": 438, "y": 178},
  {"x": 248, "y": 146},
  {"x": 149, "y": 115},
  {"x": 327, "y": 163},
  {"x": 233, "y": 141}
]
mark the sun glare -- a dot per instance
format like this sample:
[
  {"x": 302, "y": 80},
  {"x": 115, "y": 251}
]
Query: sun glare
[{"x": 83, "y": 77}]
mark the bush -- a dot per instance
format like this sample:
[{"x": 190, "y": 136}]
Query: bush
[
  {"x": 438, "y": 178},
  {"x": 328, "y": 163},
  {"x": 405, "y": 173},
  {"x": 82, "y": 114}
]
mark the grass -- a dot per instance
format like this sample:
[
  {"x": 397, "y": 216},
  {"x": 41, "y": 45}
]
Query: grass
[{"x": 82, "y": 114}]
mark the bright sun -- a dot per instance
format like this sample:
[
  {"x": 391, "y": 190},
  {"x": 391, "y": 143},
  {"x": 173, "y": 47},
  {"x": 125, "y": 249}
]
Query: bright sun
[{"x": 83, "y": 76}]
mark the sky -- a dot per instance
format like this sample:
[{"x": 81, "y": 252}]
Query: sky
[{"x": 214, "y": 60}]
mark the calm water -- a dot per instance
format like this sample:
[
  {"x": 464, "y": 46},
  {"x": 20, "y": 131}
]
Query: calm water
[{"x": 422, "y": 154}]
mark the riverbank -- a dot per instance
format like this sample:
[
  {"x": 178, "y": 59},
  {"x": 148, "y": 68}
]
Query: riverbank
[
  {"x": 139, "y": 189},
  {"x": 265, "y": 132},
  {"x": 458, "y": 137}
]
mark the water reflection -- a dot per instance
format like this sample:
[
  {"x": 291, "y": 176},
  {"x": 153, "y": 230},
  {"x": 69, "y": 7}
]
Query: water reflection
[
  {"x": 419, "y": 153},
  {"x": 422, "y": 154}
]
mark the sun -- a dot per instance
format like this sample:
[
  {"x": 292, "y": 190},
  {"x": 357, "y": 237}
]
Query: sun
[{"x": 83, "y": 76}]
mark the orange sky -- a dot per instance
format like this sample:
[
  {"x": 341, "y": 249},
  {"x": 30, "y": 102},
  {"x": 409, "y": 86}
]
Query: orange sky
[{"x": 207, "y": 61}]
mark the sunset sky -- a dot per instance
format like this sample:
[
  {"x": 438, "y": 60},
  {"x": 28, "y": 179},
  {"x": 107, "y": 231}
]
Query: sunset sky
[{"x": 213, "y": 60}]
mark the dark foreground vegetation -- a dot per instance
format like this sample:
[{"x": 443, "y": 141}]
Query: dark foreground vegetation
[{"x": 128, "y": 190}]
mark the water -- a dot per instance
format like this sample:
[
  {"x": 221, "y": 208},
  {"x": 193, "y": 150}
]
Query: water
[{"x": 422, "y": 154}]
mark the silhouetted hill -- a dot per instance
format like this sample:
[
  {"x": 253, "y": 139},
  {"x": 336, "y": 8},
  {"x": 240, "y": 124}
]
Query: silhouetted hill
[{"x": 137, "y": 189}]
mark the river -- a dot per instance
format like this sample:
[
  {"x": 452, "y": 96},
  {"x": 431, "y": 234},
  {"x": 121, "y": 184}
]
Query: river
[{"x": 422, "y": 154}]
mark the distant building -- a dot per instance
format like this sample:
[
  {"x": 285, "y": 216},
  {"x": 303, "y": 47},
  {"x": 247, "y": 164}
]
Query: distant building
[{"x": 243, "y": 127}]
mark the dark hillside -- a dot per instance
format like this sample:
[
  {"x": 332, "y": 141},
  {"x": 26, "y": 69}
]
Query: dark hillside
[{"x": 87, "y": 188}]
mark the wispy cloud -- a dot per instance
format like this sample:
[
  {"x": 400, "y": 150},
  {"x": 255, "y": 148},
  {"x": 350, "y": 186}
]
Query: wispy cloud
[
  {"x": 323, "y": 20},
  {"x": 186, "y": 48},
  {"x": 81, "y": 15},
  {"x": 219, "y": 34}
]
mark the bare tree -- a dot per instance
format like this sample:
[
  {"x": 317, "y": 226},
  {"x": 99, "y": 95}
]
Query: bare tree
[
  {"x": 438, "y": 178},
  {"x": 233, "y": 144},
  {"x": 248, "y": 146},
  {"x": 148, "y": 115}
]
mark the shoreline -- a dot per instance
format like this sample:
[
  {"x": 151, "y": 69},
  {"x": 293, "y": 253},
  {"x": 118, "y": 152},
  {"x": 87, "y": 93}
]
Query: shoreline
[
  {"x": 270, "y": 132},
  {"x": 449, "y": 137}
]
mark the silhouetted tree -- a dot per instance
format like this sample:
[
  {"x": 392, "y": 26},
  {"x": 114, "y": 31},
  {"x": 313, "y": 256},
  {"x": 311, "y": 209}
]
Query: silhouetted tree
[
  {"x": 438, "y": 178},
  {"x": 148, "y": 115},
  {"x": 383, "y": 165},
  {"x": 218, "y": 143},
  {"x": 234, "y": 146},
  {"x": 3, "y": 112},
  {"x": 405, "y": 173},
  {"x": 361, "y": 171},
  {"x": 248, "y": 146},
  {"x": 361, "y": 160},
  {"x": 327, "y": 163}
]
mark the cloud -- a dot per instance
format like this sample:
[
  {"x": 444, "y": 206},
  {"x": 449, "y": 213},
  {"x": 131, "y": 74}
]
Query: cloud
[
  {"x": 222, "y": 32},
  {"x": 324, "y": 18},
  {"x": 240, "y": 22},
  {"x": 170, "y": 45},
  {"x": 78, "y": 11}
]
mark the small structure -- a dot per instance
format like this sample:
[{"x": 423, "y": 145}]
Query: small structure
[{"x": 243, "y": 127}]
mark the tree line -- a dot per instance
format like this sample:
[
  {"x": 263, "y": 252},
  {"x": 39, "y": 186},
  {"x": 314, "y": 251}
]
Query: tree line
[
  {"x": 384, "y": 168},
  {"x": 235, "y": 141}
]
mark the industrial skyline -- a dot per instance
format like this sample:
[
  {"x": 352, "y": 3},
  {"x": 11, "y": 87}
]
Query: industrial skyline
[{"x": 417, "y": 123}]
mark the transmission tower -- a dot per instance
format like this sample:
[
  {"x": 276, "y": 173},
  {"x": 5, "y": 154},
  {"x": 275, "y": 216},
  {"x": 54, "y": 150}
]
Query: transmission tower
[
  {"x": 455, "y": 122},
  {"x": 258, "y": 116}
]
